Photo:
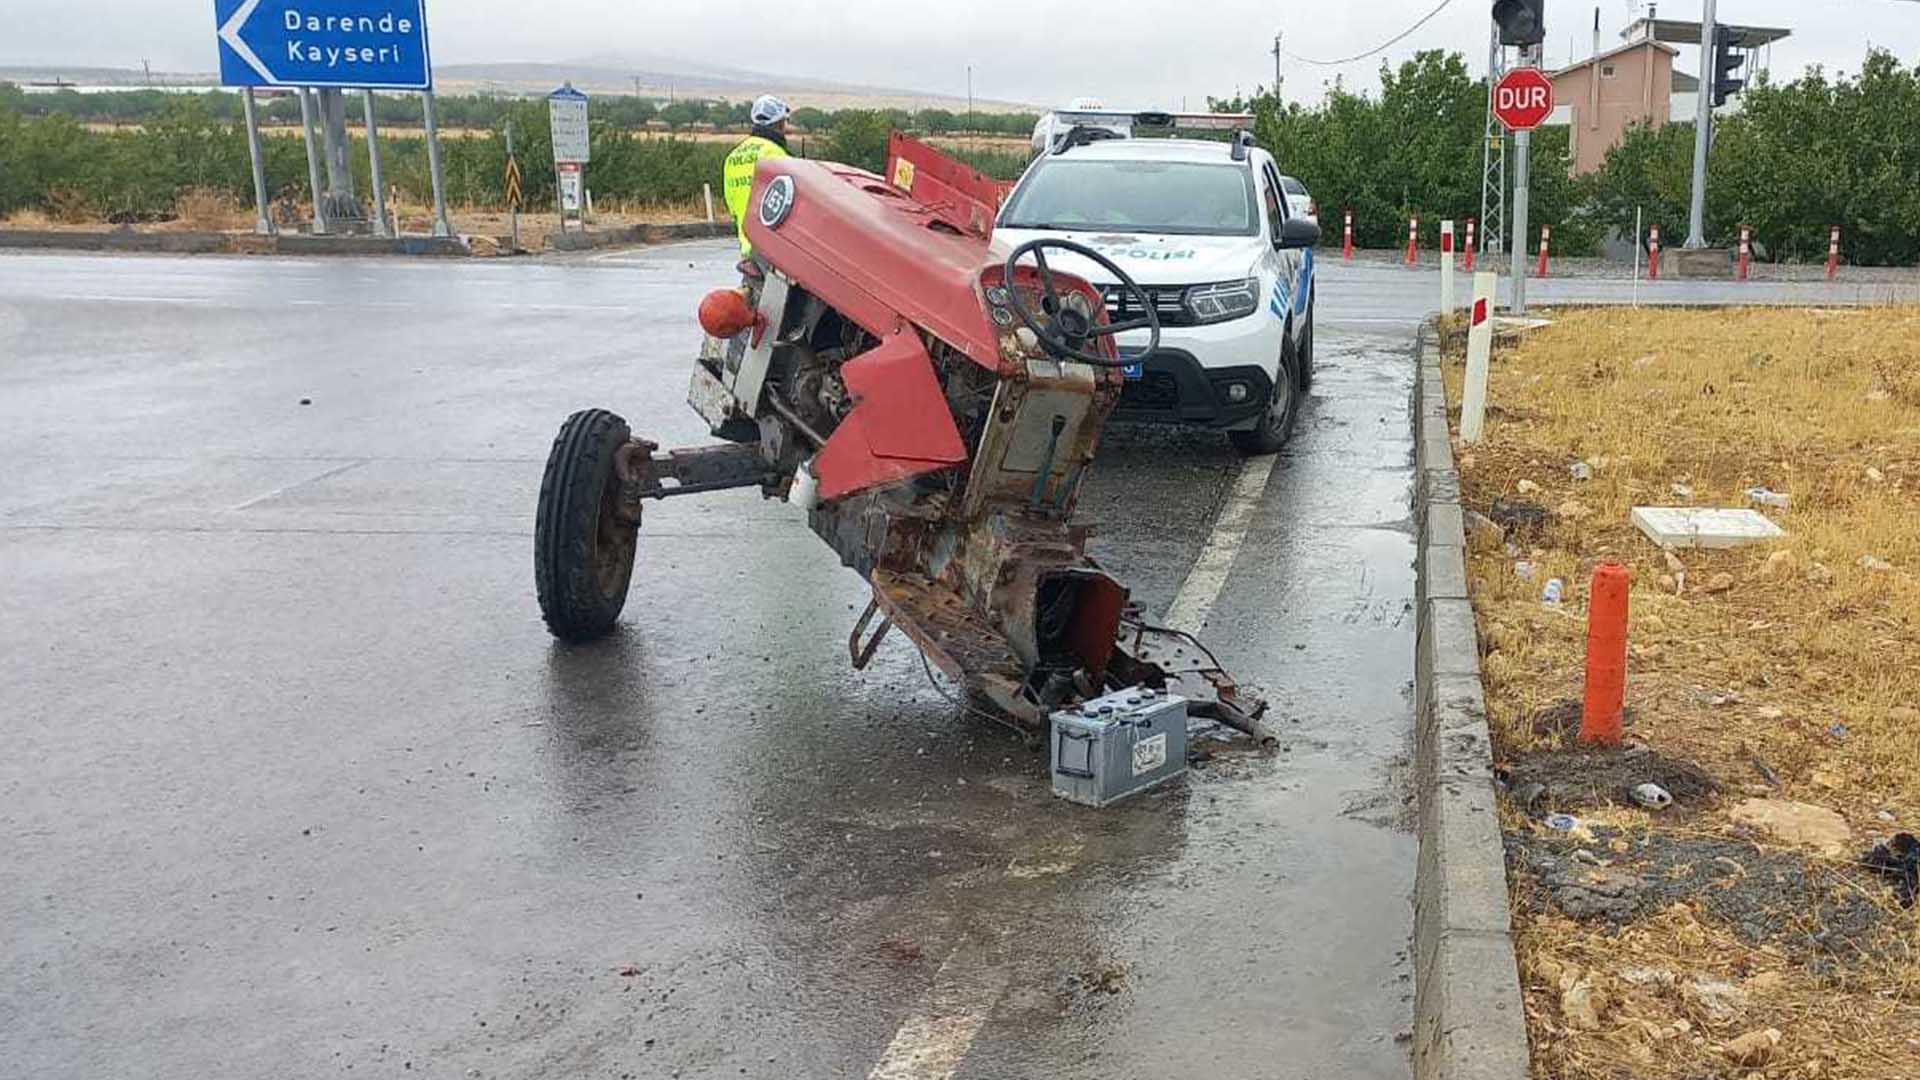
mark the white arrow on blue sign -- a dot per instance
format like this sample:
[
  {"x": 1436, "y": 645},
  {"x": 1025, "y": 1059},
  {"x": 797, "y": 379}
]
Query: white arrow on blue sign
[{"x": 363, "y": 44}]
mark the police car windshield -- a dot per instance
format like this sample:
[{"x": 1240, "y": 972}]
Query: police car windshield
[{"x": 1177, "y": 197}]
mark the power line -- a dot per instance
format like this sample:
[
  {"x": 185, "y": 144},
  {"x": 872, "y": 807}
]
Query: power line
[{"x": 1397, "y": 39}]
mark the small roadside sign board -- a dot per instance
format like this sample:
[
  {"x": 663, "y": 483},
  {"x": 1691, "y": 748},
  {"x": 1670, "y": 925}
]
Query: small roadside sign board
[
  {"x": 567, "y": 115},
  {"x": 570, "y": 187},
  {"x": 1523, "y": 99},
  {"x": 363, "y": 44}
]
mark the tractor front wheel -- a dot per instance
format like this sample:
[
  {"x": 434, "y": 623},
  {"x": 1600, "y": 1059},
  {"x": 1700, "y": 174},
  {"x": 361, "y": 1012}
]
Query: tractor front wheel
[{"x": 583, "y": 550}]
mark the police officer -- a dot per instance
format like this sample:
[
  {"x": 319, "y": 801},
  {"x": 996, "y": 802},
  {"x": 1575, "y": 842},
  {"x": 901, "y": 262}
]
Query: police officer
[{"x": 768, "y": 140}]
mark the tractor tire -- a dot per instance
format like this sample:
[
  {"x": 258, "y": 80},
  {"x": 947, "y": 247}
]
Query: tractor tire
[
  {"x": 1275, "y": 426},
  {"x": 582, "y": 554}
]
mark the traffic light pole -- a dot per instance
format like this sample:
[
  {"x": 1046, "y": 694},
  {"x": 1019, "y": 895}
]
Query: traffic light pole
[{"x": 1702, "y": 131}]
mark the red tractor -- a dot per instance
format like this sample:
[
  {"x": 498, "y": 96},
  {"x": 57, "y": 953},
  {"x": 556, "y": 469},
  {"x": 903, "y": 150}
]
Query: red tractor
[{"x": 934, "y": 411}]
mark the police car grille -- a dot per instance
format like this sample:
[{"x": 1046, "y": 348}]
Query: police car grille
[
  {"x": 1157, "y": 390},
  {"x": 1122, "y": 304}
]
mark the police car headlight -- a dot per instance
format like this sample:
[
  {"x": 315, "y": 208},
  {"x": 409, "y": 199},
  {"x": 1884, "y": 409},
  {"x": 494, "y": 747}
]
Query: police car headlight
[{"x": 1223, "y": 301}]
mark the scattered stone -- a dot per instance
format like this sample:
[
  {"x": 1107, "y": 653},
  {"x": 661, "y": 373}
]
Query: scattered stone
[
  {"x": 1573, "y": 510},
  {"x": 1722, "y": 1002},
  {"x": 1719, "y": 583},
  {"x": 1669, "y": 584},
  {"x": 1525, "y": 570},
  {"x": 1754, "y": 1049},
  {"x": 1481, "y": 526},
  {"x": 1581, "y": 471},
  {"x": 1646, "y": 976},
  {"x": 1766, "y": 982},
  {"x": 1653, "y": 624},
  {"x": 1765, "y": 496},
  {"x": 1877, "y": 394},
  {"x": 1875, "y": 564},
  {"x": 1681, "y": 491},
  {"x": 1527, "y": 487},
  {"x": 1581, "y": 1004},
  {"x": 1886, "y": 817},
  {"x": 1875, "y": 475},
  {"x": 1782, "y": 565},
  {"x": 1768, "y": 712},
  {"x": 1819, "y": 574},
  {"x": 1797, "y": 823}
]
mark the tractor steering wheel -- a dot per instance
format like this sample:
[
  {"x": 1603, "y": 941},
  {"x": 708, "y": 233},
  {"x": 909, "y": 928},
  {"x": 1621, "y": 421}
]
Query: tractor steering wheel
[{"x": 1065, "y": 331}]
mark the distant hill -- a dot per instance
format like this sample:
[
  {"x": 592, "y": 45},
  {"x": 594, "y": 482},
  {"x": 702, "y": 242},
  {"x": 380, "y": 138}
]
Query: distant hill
[{"x": 652, "y": 76}]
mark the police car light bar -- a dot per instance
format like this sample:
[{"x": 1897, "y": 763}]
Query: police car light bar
[{"x": 1150, "y": 119}]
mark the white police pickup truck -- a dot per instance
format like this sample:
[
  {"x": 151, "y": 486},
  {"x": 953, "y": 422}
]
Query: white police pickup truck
[{"x": 1204, "y": 227}]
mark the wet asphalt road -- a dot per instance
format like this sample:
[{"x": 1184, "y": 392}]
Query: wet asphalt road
[{"x": 295, "y": 784}]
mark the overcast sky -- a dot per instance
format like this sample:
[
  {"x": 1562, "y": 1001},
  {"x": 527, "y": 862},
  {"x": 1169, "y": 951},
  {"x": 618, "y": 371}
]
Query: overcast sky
[{"x": 1128, "y": 52}]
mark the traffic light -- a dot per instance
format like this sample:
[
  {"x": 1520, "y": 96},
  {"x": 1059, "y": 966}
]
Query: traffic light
[
  {"x": 1727, "y": 59},
  {"x": 1521, "y": 22}
]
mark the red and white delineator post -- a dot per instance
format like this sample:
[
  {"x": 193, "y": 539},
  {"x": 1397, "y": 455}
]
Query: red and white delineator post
[
  {"x": 1346, "y": 244},
  {"x": 1653, "y": 253},
  {"x": 1413, "y": 242},
  {"x": 1473, "y": 401},
  {"x": 1546, "y": 240},
  {"x": 1833, "y": 253},
  {"x": 1468, "y": 252},
  {"x": 1446, "y": 268},
  {"x": 1746, "y": 253}
]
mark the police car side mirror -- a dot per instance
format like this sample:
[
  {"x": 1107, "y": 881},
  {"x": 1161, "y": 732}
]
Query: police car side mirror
[{"x": 1297, "y": 233}]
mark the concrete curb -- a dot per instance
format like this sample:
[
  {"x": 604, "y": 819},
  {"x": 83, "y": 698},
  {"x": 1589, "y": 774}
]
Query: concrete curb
[
  {"x": 220, "y": 243},
  {"x": 628, "y": 235},
  {"x": 1468, "y": 1017}
]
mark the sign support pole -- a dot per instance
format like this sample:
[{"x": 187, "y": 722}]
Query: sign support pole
[
  {"x": 441, "y": 226},
  {"x": 313, "y": 163},
  {"x": 262, "y": 224},
  {"x": 380, "y": 227},
  {"x": 1522, "y": 161},
  {"x": 513, "y": 195}
]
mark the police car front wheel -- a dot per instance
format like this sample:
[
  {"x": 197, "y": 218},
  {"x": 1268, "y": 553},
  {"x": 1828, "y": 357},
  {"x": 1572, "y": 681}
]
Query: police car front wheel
[{"x": 1275, "y": 426}]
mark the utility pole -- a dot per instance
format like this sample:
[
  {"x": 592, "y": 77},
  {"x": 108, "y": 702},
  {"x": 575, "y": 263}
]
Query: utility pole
[
  {"x": 1702, "y": 132},
  {"x": 1279, "y": 80},
  {"x": 970, "y": 123}
]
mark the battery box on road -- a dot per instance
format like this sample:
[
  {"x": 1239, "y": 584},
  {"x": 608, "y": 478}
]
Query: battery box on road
[{"x": 1118, "y": 745}]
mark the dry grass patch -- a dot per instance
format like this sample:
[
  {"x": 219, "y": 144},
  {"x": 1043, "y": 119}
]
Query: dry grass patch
[{"x": 1789, "y": 671}]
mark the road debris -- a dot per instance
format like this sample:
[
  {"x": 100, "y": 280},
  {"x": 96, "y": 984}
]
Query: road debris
[
  {"x": 1581, "y": 471},
  {"x": 1755, "y": 1048},
  {"x": 1899, "y": 860},
  {"x": 1704, "y": 527},
  {"x": 1765, "y": 496},
  {"x": 1652, "y": 796}
]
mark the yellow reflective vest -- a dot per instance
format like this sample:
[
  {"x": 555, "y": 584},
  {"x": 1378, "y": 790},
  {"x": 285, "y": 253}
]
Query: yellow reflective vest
[{"x": 739, "y": 179}]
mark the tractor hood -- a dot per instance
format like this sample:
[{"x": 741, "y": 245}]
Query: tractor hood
[
  {"x": 879, "y": 257},
  {"x": 1149, "y": 258}
]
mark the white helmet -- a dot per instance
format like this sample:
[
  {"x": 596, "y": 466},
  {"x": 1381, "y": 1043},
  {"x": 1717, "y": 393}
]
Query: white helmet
[{"x": 769, "y": 110}]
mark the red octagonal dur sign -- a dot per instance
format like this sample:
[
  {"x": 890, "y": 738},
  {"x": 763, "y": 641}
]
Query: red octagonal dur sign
[{"x": 1523, "y": 99}]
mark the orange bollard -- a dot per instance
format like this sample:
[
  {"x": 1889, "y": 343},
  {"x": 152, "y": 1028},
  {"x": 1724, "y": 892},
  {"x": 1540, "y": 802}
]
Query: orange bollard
[
  {"x": 1413, "y": 241},
  {"x": 1746, "y": 252},
  {"x": 1833, "y": 253},
  {"x": 1346, "y": 247},
  {"x": 1546, "y": 236},
  {"x": 1601, "y": 717},
  {"x": 1653, "y": 254}
]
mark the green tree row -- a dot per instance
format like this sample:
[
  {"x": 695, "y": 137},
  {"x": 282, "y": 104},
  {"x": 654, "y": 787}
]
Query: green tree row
[
  {"x": 486, "y": 111},
  {"x": 1797, "y": 158}
]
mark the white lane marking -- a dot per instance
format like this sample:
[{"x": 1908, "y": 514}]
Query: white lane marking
[
  {"x": 1197, "y": 594},
  {"x": 933, "y": 1042},
  {"x": 99, "y": 298}
]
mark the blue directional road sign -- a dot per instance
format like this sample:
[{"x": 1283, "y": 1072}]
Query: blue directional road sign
[{"x": 363, "y": 44}]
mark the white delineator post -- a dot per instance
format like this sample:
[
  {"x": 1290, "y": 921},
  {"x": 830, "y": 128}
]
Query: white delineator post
[
  {"x": 706, "y": 191},
  {"x": 1473, "y": 400},
  {"x": 1446, "y": 268}
]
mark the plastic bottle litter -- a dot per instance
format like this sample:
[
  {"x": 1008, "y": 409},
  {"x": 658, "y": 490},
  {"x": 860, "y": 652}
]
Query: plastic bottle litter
[
  {"x": 1562, "y": 822},
  {"x": 1764, "y": 496},
  {"x": 1554, "y": 593},
  {"x": 1653, "y": 796}
]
